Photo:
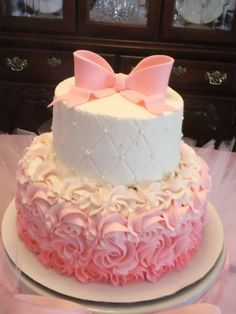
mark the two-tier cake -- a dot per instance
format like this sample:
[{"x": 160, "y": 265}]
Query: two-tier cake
[{"x": 112, "y": 194}]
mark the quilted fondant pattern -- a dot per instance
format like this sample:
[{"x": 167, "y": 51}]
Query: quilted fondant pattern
[{"x": 122, "y": 151}]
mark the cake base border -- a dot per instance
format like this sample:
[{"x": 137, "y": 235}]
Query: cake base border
[{"x": 132, "y": 297}]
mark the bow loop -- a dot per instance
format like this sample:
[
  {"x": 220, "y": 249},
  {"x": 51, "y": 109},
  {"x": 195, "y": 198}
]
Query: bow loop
[
  {"x": 151, "y": 75},
  {"x": 92, "y": 71}
]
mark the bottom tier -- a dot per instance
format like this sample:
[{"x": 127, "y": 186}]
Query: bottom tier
[{"x": 175, "y": 289}]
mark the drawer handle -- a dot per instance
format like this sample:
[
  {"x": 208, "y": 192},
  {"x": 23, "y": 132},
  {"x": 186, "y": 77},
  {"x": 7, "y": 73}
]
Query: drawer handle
[
  {"x": 179, "y": 70},
  {"x": 54, "y": 62},
  {"x": 216, "y": 78},
  {"x": 16, "y": 64}
]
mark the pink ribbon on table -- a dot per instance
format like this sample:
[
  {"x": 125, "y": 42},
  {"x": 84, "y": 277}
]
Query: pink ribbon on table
[
  {"x": 199, "y": 308},
  {"x": 35, "y": 304},
  {"x": 146, "y": 84},
  {"x": 14, "y": 302},
  {"x": 28, "y": 304}
]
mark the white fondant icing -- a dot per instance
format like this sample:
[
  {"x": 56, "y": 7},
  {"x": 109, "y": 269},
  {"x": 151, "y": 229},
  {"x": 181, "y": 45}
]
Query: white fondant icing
[{"x": 123, "y": 138}]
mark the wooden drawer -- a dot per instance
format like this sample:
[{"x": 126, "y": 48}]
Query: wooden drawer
[
  {"x": 194, "y": 75},
  {"x": 204, "y": 76},
  {"x": 126, "y": 63},
  {"x": 35, "y": 64},
  {"x": 25, "y": 105},
  {"x": 41, "y": 66},
  {"x": 207, "y": 118}
]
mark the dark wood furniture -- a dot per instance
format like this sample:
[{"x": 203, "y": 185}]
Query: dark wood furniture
[{"x": 36, "y": 53}]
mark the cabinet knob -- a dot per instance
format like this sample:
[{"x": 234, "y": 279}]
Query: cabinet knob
[
  {"x": 216, "y": 77},
  {"x": 16, "y": 64},
  {"x": 179, "y": 70},
  {"x": 54, "y": 62}
]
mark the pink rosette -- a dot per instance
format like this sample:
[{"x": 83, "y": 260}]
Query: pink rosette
[
  {"x": 69, "y": 237},
  {"x": 114, "y": 252},
  {"x": 79, "y": 191},
  {"x": 61, "y": 265},
  {"x": 31, "y": 229},
  {"x": 90, "y": 273},
  {"x": 156, "y": 256},
  {"x": 22, "y": 225},
  {"x": 71, "y": 246},
  {"x": 35, "y": 190},
  {"x": 171, "y": 221},
  {"x": 123, "y": 200},
  {"x": 199, "y": 200},
  {"x": 146, "y": 226},
  {"x": 45, "y": 257},
  {"x": 186, "y": 243}
]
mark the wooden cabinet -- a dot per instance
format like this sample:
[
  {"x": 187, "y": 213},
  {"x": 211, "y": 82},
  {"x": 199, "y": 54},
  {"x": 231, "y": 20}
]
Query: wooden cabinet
[
  {"x": 210, "y": 22},
  {"x": 27, "y": 105},
  {"x": 130, "y": 20},
  {"x": 23, "y": 15},
  {"x": 208, "y": 117},
  {"x": 36, "y": 48}
]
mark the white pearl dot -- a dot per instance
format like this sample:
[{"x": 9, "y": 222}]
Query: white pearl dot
[
  {"x": 106, "y": 130},
  {"x": 87, "y": 152}
]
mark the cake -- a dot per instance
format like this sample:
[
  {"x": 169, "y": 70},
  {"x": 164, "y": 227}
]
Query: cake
[{"x": 113, "y": 195}]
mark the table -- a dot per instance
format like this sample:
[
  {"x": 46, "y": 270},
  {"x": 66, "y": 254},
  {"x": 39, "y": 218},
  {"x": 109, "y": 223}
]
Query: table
[{"x": 223, "y": 197}]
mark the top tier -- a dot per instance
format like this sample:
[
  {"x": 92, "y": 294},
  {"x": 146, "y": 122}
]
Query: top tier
[{"x": 117, "y": 128}]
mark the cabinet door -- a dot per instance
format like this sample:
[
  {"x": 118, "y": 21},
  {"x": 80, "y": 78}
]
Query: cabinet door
[
  {"x": 56, "y": 16},
  {"x": 212, "y": 21},
  {"x": 27, "y": 65},
  {"x": 124, "y": 19},
  {"x": 207, "y": 118},
  {"x": 4, "y": 115},
  {"x": 25, "y": 106},
  {"x": 213, "y": 78}
]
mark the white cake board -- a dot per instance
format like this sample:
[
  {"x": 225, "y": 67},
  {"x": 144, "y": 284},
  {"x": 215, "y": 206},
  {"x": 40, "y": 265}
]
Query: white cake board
[{"x": 175, "y": 289}]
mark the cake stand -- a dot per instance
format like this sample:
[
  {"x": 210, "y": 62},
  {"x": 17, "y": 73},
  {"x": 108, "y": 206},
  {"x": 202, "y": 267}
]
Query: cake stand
[{"x": 175, "y": 289}]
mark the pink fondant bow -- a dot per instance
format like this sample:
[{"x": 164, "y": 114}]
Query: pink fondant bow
[{"x": 146, "y": 84}]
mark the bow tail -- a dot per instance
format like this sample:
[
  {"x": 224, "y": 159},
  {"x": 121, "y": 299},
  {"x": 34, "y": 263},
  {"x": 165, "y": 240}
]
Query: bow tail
[
  {"x": 154, "y": 103},
  {"x": 77, "y": 96}
]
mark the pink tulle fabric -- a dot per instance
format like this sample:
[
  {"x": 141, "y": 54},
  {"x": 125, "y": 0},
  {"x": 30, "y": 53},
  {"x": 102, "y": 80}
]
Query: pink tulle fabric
[{"x": 105, "y": 233}]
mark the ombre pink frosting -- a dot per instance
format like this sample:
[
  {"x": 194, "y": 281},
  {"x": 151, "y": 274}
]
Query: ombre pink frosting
[{"x": 105, "y": 233}]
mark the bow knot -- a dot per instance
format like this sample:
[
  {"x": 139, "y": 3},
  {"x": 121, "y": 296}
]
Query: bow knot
[
  {"x": 146, "y": 85},
  {"x": 120, "y": 81}
]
